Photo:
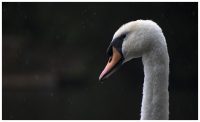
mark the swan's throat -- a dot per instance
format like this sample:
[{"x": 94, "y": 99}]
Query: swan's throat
[{"x": 155, "y": 88}]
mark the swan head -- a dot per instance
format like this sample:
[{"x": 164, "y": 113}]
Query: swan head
[{"x": 128, "y": 42}]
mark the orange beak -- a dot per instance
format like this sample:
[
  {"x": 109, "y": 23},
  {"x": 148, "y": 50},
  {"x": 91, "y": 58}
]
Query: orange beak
[{"x": 111, "y": 65}]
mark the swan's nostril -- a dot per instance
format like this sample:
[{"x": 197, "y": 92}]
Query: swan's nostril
[{"x": 110, "y": 59}]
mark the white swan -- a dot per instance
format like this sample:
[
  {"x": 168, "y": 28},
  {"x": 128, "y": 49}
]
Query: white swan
[{"x": 143, "y": 38}]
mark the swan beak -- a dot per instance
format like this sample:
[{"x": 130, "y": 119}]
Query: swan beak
[{"x": 112, "y": 64}]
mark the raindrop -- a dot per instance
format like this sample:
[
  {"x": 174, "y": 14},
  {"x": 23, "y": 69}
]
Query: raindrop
[
  {"x": 24, "y": 99},
  {"x": 163, "y": 15},
  {"x": 57, "y": 36},
  {"x": 193, "y": 13},
  {"x": 11, "y": 116},
  {"x": 36, "y": 77},
  {"x": 25, "y": 17},
  {"x": 27, "y": 62},
  {"x": 83, "y": 26},
  {"x": 83, "y": 12},
  {"x": 86, "y": 89},
  {"x": 52, "y": 94},
  {"x": 53, "y": 70},
  {"x": 69, "y": 101},
  {"x": 100, "y": 84},
  {"x": 94, "y": 13}
]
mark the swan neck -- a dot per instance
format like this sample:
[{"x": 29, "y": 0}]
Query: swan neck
[{"x": 155, "y": 88}]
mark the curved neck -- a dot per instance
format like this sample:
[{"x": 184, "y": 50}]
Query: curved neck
[{"x": 155, "y": 88}]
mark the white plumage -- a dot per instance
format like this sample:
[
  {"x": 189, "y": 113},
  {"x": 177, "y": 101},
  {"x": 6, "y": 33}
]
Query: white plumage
[{"x": 144, "y": 38}]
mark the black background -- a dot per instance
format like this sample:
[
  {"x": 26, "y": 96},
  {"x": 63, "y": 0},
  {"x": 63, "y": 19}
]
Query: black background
[{"x": 53, "y": 54}]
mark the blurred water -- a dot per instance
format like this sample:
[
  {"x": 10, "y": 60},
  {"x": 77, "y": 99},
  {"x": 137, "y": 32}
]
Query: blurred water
[{"x": 89, "y": 104}]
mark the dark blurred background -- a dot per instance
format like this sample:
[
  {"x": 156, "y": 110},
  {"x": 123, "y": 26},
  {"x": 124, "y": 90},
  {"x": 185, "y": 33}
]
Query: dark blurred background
[{"x": 53, "y": 54}]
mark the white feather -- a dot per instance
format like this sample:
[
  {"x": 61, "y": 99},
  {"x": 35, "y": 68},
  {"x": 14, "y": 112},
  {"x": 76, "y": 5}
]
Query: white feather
[{"x": 145, "y": 39}]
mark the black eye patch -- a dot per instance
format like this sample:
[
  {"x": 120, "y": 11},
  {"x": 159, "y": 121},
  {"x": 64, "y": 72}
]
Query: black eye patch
[{"x": 117, "y": 43}]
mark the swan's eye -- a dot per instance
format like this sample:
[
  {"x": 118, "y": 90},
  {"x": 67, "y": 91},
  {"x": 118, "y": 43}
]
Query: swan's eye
[
  {"x": 117, "y": 43},
  {"x": 109, "y": 50}
]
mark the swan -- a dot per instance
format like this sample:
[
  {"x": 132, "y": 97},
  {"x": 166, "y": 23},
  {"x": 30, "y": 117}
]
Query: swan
[{"x": 143, "y": 38}]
